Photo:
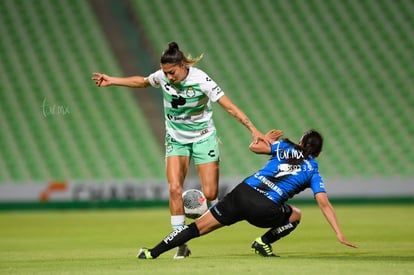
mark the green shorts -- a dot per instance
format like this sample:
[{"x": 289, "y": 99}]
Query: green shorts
[{"x": 203, "y": 151}]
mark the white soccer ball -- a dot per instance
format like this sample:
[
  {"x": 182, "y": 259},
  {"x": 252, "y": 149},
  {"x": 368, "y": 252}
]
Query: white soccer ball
[{"x": 195, "y": 203}]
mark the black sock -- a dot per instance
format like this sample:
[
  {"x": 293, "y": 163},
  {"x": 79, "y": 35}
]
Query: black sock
[
  {"x": 176, "y": 238},
  {"x": 276, "y": 233}
]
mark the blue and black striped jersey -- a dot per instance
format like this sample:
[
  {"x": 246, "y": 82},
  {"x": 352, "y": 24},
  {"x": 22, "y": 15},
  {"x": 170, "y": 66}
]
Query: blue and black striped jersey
[{"x": 278, "y": 180}]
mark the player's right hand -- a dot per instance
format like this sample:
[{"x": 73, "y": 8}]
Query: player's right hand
[
  {"x": 274, "y": 135},
  {"x": 101, "y": 80}
]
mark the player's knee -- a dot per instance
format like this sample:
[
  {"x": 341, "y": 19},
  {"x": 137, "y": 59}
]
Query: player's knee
[
  {"x": 210, "y": 191},
  {"x": 210, "y": 194},
  {"x": 296, "y": 214},
  {"x": 175, "y": 190}
]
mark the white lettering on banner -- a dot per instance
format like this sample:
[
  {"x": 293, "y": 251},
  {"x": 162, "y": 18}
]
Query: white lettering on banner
[
  {"x": 122, "y": 190},
  {"x": 102, "y": 192},
  {"x": 94, "y": 191}
]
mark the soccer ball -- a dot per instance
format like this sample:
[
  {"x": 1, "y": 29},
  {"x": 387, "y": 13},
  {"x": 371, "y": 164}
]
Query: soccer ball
[{"x": 195, "y": 203}]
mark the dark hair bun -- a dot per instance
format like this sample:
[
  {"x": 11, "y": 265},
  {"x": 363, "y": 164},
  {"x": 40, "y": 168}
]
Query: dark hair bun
[
  {"x": 173, "y": 46},
  {"x": 172, "y": 55}
]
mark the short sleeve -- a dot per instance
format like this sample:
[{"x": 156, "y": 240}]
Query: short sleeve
[
  {"x": 155, "y": 78},
  {"x": 212, "y": 89},
  {"x": 317, "y": 184}
]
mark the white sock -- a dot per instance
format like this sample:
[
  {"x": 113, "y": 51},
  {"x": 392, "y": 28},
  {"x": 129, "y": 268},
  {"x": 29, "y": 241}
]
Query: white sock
[{"x": 177, "y": 221}]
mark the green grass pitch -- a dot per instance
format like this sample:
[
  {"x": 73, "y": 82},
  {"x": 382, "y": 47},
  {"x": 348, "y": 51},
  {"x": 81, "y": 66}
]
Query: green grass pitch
[{"x": 107, "y": 241}]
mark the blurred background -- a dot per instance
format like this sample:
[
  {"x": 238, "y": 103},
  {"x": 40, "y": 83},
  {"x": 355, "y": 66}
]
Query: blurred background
[{"x": 344, "y": 68}]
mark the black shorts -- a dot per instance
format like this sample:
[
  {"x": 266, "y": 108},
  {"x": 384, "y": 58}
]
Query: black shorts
[{"x": 245, "y": 203}]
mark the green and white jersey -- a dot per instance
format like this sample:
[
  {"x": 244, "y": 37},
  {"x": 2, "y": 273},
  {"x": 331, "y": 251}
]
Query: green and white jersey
[{"x": 187, "y": 105}]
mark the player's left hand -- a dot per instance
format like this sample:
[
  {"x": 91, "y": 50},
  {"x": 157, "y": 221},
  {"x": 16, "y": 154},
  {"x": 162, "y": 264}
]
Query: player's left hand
[{"x": 344, "y": 241}]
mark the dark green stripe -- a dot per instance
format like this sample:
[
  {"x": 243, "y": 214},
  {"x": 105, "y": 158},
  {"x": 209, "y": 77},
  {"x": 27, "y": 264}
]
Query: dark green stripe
[{"x": 164, "y": 203}]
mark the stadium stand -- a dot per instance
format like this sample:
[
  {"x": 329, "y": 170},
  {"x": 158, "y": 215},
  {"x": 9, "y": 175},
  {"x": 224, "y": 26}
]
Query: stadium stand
[
  {"x": 343, "y": 67},
  {"x": 55, "y": 123}
]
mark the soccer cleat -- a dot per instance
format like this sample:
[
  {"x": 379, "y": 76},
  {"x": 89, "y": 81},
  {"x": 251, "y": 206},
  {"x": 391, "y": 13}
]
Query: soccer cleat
[
  {"x": 262, "y": 248},
  {"x": 144, "y": 253},
  {"x": 182, "y": 252}
]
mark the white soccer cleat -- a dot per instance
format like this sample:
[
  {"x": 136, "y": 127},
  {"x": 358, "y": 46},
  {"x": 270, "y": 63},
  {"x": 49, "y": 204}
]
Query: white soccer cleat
[{"x": 182, "y": 252}]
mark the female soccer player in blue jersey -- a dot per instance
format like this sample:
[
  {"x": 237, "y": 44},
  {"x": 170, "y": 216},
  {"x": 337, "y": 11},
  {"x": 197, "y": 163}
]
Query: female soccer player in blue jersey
[
  {"x": 190, "y": 132},
  {"x": 261, "y": 198}
]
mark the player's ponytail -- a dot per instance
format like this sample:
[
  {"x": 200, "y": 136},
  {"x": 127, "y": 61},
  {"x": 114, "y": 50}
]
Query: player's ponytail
[
  {"x": 311, "y": 144},
  {"x": 295, "y": 160},
  {"x": 173, "y": 55}
]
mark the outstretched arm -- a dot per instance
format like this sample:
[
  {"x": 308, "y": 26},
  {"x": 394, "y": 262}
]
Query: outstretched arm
[
  {"x": 103, "y": 80},
  {"x": 233, "y": 110},
  {"x": 265, "y": 148},
  {"x": 330, "y": 216}
]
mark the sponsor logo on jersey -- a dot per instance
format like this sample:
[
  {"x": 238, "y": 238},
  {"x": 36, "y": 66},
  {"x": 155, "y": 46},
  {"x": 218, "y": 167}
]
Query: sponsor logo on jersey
[
  {"x": 270, "y": 184},
  {"x": 287, "y": 169},
  {"x": 175, "y": 118},
  {"x": 190, "y": 92}
]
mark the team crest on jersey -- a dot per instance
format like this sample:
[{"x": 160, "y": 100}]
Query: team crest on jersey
[{"x": 190, "y": 92}]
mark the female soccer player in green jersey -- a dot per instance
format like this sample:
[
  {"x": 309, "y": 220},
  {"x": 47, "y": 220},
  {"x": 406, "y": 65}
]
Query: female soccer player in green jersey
[{"x": 188, "y": 93}]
